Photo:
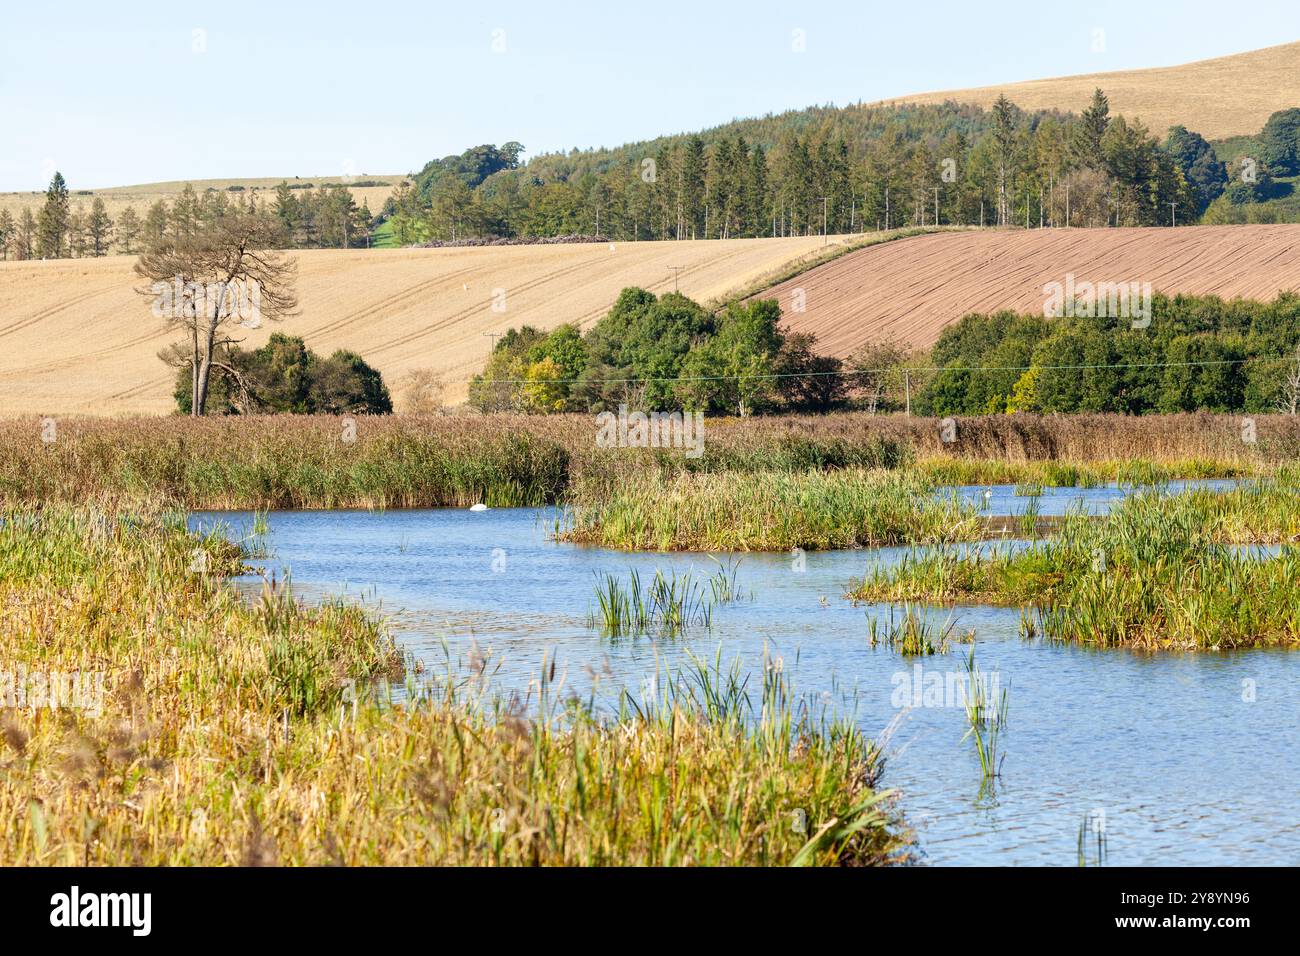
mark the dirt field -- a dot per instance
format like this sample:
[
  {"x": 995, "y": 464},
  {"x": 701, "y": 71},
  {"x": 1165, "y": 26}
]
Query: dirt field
[
  {"x": 76, "y": 337},
  {"x": 912, "y": 288},
  {"x": 1226, "y": 96}
]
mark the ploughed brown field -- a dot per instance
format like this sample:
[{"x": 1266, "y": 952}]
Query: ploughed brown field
[
  {"x": 75, "y": 336},
  {"x": 1226, "y": 96},
  {"x": 910, "y": 289}
]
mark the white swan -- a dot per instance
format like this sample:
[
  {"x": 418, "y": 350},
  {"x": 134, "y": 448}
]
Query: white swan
[{"x": 478, "y": 507}]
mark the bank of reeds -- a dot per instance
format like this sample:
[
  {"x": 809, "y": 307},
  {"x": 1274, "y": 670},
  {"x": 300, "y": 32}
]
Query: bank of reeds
[
  {"x": 234, "y": 733},
  {"x": 1196, "y": 570},
  {"x": 768, "y": 511},
  {"x": 501, "y": 460}
]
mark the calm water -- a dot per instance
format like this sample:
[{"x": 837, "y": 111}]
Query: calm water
[{"x": 1192, "y": 759}]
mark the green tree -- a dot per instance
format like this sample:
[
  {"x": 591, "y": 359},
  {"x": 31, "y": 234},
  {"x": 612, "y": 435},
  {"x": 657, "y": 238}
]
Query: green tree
[
  {"x": 52, "y": 222},
  {"x": 345, "y": 384},
  {"x": 99, "y": 228},
  {"x": 1200, "y": 166},
  {"x": 1280, "y": 142},
  {"x": 8, "y": 231},
  {"x": 732, "y": 371},
  {"x": 1085, "y": 145},
  {"x": 1024, "y": 394},
  {"x": 129, "y": 227},
  {"x": 156, "y": 221},
  {"x": 809, "y": 382},
  {"x": 25, "y": 240}
]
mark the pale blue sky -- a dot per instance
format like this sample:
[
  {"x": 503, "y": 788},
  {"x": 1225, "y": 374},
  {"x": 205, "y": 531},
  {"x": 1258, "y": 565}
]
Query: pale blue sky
[{"x": 119, "y": 93}]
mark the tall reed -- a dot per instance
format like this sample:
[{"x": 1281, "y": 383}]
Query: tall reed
[{"x": 234, "y": 732}]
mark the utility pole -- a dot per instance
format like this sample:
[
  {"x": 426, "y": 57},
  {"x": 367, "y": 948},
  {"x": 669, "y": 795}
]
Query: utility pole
[
  {"x": 495, "y": 336},
  {"x": 1173, "y": 214},
  {"x": 886, "y": 209},
  {"x": 1067, "y": 205},
  {"x": 675, "y": 270},
  {"x": 853, "y": 212},
  {"x": 936, "y": 205},
  {"x": 825, "y": 238},
  {"x": 907, "y": 388}
]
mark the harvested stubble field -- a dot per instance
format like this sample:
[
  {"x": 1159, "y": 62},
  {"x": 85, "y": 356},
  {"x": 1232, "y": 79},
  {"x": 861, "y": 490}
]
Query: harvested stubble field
[
  {"x": 910, "y": 290},
  {"x": 410, "y": 461},
  {"x": 76, "y": 337},
  {"x": 1226, "y": 96}
]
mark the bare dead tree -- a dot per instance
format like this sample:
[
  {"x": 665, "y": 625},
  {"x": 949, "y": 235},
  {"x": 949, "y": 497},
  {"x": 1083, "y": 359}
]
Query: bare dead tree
[
  {"x": 876, "y": 370},
  {"x": 211, "y": 283},
  {"x": 422, "y": 391},
  {"x": 1289, "y": 403}
]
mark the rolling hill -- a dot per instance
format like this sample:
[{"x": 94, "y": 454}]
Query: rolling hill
[{"x": 1219, "y": 98}]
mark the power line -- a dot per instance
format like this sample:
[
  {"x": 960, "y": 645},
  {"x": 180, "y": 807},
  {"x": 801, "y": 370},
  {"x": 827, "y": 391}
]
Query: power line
[{"x": 846, "y": 373}]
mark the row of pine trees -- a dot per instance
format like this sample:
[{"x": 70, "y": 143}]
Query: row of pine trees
[{"x": 327, "y": 217}]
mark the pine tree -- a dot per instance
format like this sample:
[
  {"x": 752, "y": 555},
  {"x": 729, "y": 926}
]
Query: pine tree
[
  {"x": 76, "y": 243},
  {"x": 185, "y": 213},
  {"x": 1088, "y": 132},
  {"x": 156, "y": 221},
  {"x": 289, "y": 213},
  {"x": 99, "y": 229},
  {"x": 1004, "y": 132},
  {"x": 756, "y": 197},
  {"x": 52, "y": 223},
  {"x": 691, "y": 190},
  {"x": 28, "y": 230},
  {"x": 128, "y": 230},
  {"x": 8, "y": 231}
]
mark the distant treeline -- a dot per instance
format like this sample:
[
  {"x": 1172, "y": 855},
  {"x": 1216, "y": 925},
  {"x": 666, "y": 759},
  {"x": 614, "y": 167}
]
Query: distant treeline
[
  {"x": 327, "y": 217},
  {"x": 856, "y": 168},
  {"x": 657, "y": 354}
]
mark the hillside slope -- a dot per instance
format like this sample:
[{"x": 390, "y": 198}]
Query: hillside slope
[
  {"x": 910, "y": 289},
  {"x": 75, "y": 337},
  {"x": 1226, "y": 96}
]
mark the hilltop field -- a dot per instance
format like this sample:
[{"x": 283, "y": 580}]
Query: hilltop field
[{"x": 1219, "y": 98}]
